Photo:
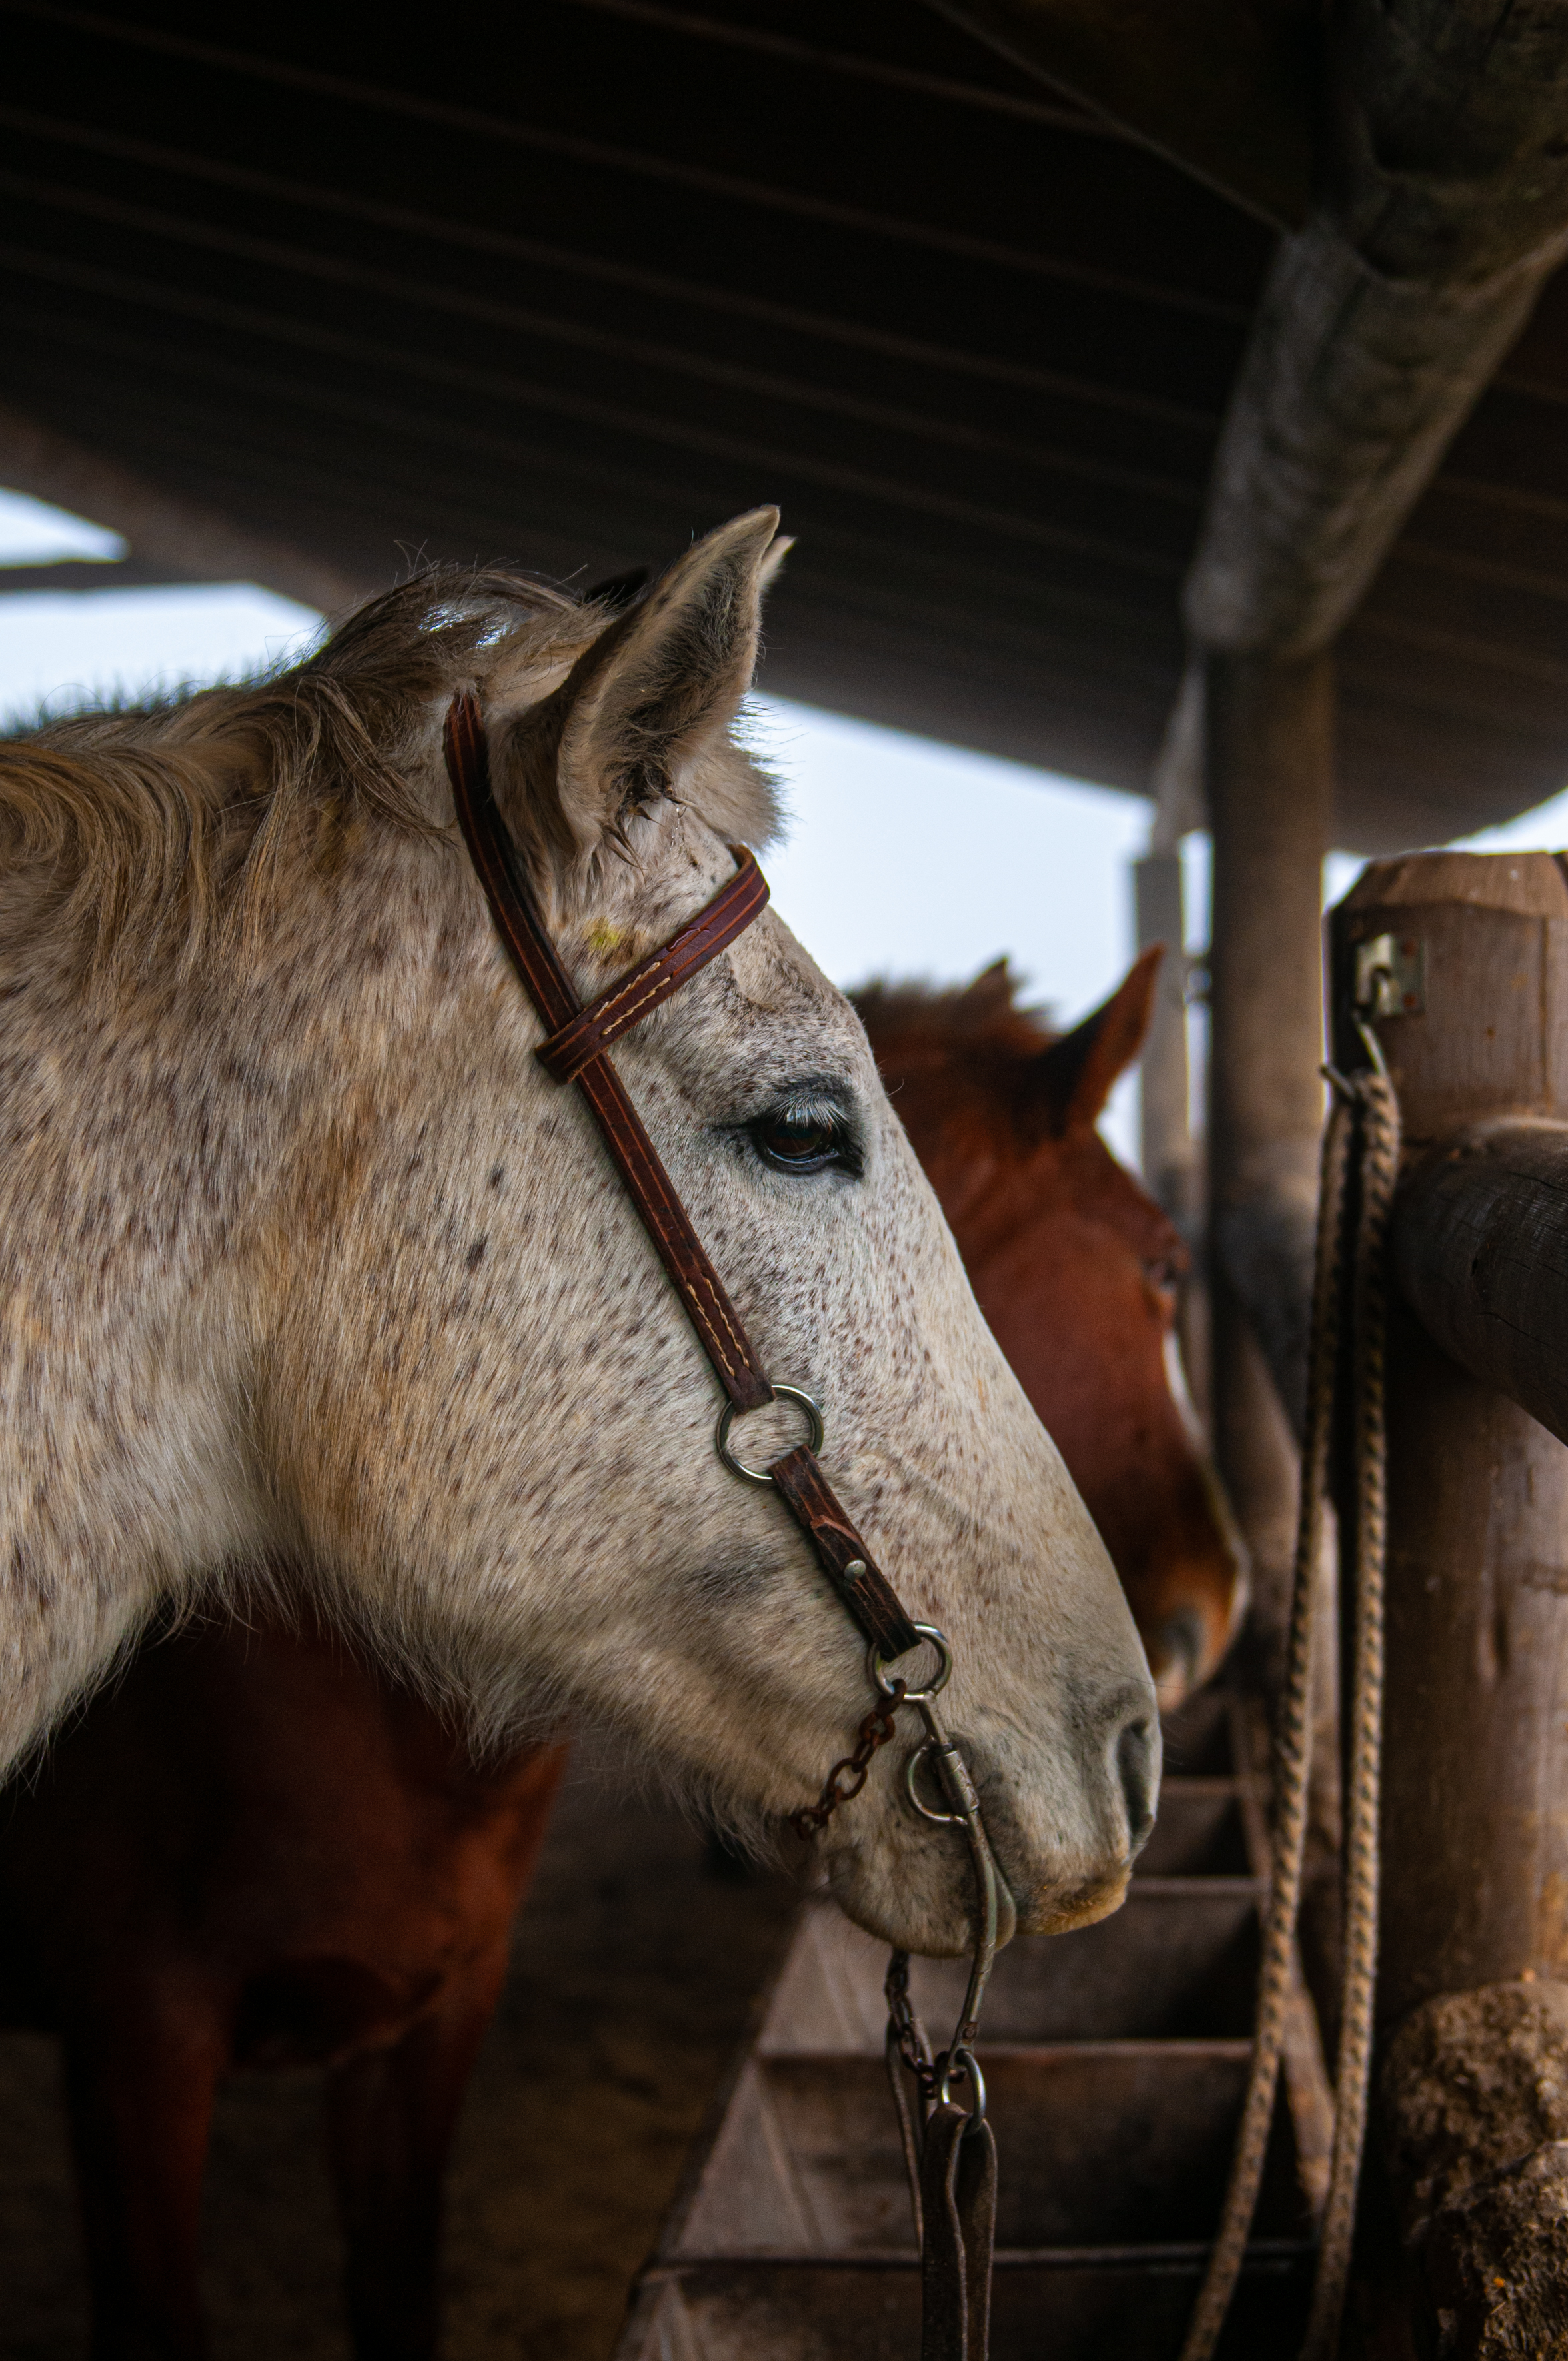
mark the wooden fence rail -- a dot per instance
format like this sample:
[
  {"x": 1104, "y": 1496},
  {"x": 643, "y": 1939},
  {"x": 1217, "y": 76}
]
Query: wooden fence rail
[{"x": 1481, "y": 1255}]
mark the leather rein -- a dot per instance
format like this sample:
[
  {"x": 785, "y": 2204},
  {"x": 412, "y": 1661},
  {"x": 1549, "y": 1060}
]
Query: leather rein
[{"x": 948, "y": 2148}]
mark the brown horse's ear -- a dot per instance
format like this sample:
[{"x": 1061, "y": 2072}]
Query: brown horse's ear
[
  {"x": 1070, "y": 1081},
  {"x": 650, "y": 699},
  {"x": 990, "y": 994}
]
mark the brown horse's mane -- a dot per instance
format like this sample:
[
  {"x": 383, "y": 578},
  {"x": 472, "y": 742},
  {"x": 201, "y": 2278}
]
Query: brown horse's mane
[
  {"x": 982, "y": 1017},
  {"x": 123, "y": 826}
]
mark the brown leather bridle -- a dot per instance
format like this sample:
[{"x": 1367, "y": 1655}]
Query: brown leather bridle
[{"x": 948, "y": 2148}]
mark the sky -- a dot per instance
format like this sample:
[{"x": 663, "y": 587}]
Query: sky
[{"x": 904, "y": 858}]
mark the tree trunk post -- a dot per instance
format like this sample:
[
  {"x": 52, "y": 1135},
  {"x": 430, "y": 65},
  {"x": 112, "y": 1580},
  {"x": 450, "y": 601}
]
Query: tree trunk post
[
  {"x": 1472, "y": 1993},
  {"x": 1269, "y": 761}
]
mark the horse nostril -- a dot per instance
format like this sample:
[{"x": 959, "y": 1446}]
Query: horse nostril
[{"x": 1137, "y": 1760}]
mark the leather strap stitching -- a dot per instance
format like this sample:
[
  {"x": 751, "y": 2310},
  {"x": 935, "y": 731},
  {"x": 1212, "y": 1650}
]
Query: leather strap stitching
[{"x": 655, "y": 979}]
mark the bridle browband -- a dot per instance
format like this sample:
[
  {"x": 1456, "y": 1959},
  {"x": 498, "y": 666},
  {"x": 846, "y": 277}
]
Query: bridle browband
[{"x": 951, "y": 2153}]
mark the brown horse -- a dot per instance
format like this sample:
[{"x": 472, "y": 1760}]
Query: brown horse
[
  {"x": 257, "y": 1851},
  {"x": 1077, "y": 1269}
]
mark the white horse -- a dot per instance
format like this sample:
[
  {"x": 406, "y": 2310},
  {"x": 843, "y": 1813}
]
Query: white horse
[{"x": 305, "y": 1258}]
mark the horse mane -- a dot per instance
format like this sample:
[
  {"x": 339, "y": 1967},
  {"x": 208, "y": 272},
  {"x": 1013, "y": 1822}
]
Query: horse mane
[
  {"x": 982, "y": 1018},
  {"x": 123, "y": 826}
]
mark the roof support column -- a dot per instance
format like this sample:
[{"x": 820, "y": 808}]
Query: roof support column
[{"x": 1270, "y": 766}]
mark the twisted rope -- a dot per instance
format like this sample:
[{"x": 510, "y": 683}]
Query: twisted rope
[
  {"x": 1363, "y": 1105},
  {"x": 1379, "y": 1123},
  {"x": 1293, "y": 1756}
]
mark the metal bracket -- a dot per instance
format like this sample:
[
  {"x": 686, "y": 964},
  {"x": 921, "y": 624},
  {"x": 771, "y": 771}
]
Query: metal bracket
[{"x": 1391, "y": 976}]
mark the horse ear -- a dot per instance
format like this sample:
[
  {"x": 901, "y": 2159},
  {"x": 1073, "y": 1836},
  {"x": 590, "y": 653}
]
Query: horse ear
[
  {"x": 1074, "y": 1077},
  {"x": 987, "y": 995},
  {"x": 773, "y": 557},
  {"x": 658, "y": 687}
]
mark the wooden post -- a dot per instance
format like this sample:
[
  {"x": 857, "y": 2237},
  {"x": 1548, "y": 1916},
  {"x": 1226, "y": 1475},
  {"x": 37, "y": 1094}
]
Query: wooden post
[
  {"x": 1166, "y": 1150},
  {"x": 1474, "y": 1907},
  {"x": 1270, "y": 776}
]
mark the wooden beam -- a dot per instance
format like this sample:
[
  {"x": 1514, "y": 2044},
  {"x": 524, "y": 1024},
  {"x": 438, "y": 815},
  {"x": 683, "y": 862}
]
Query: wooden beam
[
  {"x": 83, "y": 577},
  {"x": 195, "y": 543},
  {"x": 788, "y": 48},
  {"x": 1481, "y": 1250},
  {"x": 1224, "y": 87},
  {"x": 1386, "y": 314}
]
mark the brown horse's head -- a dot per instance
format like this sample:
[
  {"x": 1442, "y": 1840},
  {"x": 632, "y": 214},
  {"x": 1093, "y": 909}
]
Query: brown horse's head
[{"x": 1076, "y": 1268}]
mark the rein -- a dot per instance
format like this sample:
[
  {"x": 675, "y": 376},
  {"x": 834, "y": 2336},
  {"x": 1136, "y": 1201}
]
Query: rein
[{"x": 948, "y": 2148}]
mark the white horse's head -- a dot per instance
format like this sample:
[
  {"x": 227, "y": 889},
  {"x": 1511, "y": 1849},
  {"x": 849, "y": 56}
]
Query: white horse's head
[{"x": 385, "y": 1307}]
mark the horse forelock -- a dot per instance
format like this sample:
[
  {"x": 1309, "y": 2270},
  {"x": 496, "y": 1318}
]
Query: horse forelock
[{"x": 184, "y": 823}]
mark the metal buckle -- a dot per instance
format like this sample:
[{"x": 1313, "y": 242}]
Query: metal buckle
[
  {"x": 877, "y": 1664},
  {"x": 731, "y": 1410}
]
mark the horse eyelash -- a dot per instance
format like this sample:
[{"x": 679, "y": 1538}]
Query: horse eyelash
[{"x": 828, "y": 1112}]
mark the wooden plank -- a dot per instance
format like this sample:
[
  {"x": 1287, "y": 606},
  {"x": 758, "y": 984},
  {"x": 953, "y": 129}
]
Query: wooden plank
[
  {"x": 1198, "y": 1830},
  {"x": 1103, "y": 2144},
  {"x": 1225, "y": 89},
  {"x": 1116, "y": 2137},
  {"x": 161, "y": 526},
  {"x": 805, "y": 2309}
]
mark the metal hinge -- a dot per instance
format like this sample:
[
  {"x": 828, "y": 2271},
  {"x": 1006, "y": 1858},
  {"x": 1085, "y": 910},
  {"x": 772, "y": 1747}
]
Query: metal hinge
[{"x": 1391, "y": 976}]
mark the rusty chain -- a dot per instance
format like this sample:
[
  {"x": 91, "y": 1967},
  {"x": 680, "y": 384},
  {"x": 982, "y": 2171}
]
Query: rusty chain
[{"x": 874, "y": 1732}]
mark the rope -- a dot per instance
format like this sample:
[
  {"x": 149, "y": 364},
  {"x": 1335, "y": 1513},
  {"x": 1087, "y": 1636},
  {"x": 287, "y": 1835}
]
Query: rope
[
  {"x": 1363, "y": 1105},
  {"x": 1292, "y": 1762},
  {"x": 1379, "y": 1122}
]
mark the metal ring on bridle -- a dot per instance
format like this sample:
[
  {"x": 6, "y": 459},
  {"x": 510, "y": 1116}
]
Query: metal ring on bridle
[
  {"x": 943, "y": 1819},
  {"x": 963, "y": 2061},
  {"x": 877, "y": 1665},
  {"x": 727, "y": 1415}
]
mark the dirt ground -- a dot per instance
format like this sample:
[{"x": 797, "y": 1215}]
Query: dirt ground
[{"x": 634, "y": 1976}]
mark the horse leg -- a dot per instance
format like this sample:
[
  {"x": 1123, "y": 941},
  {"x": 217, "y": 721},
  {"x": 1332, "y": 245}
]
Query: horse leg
[
  {"x": 140, "y": 2094},
  {"x": 392, "y": 2114}
]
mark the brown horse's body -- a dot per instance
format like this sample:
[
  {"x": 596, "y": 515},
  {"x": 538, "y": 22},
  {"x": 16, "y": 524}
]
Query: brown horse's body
[
  {"x": 1076, "y": 1268},
  {"x": 257, "y": 1852}
]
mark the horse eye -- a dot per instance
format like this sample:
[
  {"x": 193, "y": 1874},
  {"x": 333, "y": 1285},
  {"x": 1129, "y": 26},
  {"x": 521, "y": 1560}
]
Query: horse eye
[
  {"x": 806, "y": 1136},
  {"x": 1163, "y": 1276}
]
